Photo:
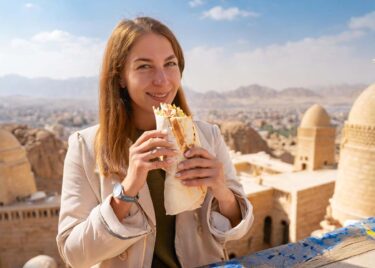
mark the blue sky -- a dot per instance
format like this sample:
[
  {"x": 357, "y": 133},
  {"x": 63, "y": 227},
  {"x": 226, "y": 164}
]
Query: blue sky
[{"x": 227, "y": 43}]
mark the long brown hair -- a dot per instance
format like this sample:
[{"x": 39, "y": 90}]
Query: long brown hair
[{"x": 116, "y": 127}]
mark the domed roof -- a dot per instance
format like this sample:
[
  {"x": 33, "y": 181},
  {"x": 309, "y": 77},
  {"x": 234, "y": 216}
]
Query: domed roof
[
  {"x": 363, "y": 110},
  {"x": 8, "y": 140},
  {"x": 315, "y": 116},
  {"x": 16, "y": 178}
]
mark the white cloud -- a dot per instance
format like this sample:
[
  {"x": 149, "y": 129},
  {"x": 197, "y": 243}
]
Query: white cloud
[
  {"x": 307, "y": 62},
  {"x": 219, "y": 13},
  {"x": 195, "y": 3},
  {"x": 365, "y": 22},
  {"x": 55, "y": 54},
  {"x": 29, "y": 5}
]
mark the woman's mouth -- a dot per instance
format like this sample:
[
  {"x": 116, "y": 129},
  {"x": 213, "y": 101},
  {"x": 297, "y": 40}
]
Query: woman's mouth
[{"x": 160, "y": 97}]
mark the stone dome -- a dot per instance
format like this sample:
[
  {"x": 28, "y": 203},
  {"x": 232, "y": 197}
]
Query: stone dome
[
  {"x": 7, "y": 141},
  {"x": 315, "y": 116},
  {"x": 16, "y": 177},
  {"x": 363, "y": 111}
]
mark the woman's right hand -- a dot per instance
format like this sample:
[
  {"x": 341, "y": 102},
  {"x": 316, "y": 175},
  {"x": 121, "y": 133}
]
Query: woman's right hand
[{"x": 144, "y": 156}]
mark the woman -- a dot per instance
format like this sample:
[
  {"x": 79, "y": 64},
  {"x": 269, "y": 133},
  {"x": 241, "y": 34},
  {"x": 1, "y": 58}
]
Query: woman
[{"x": 142, "y": 67}]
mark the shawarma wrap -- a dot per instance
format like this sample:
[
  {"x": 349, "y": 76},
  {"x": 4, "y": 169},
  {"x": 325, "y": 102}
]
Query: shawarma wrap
[{"x": 182, "y": 133}]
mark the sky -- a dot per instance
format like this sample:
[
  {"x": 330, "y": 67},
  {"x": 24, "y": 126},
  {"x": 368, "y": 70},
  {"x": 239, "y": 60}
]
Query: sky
[{"x": 227, "y": 44}]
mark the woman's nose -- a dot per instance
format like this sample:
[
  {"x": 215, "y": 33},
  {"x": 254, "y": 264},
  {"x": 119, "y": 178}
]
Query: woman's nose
[{"x": 160, "y": 77}]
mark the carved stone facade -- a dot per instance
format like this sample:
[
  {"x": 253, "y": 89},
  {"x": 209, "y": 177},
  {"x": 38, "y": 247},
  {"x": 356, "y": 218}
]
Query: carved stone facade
[
  {"x": 354, "y": 196},
  {"x": 27, "y": 231}
]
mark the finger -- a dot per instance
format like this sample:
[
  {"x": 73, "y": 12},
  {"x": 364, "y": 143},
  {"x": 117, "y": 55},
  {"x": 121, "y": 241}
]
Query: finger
[
  {"x": 195, "y": 173},
  {"x": 150, "y": 134},
  {"x": 194, "y": 163},
  {"x": 152, "y": 143},
  {"x": 197, "y": 151},
  {"x": 157, "y": 152},
  {"x": 198, "y": 182},
  {"x": 151, "y": 165}
]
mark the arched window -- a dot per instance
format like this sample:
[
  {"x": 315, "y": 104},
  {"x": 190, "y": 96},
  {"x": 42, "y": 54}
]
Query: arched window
[
  {"x": 267, "y": 230},
  {"x": 285, "y": 232}
]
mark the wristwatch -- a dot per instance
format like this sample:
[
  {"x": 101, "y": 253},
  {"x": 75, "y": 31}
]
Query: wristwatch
[{"x": 118, "y": 192}]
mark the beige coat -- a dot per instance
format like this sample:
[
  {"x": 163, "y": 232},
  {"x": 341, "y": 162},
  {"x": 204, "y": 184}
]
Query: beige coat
[{"x": 90, "y": 235}]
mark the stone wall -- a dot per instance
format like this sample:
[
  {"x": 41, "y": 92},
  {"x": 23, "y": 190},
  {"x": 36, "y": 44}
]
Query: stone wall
[
  {"x": 26, "y": 233},
  {"x": 282, "y": 206},
  {"x": 253, "y": 241},
  {"x": 311, "y": 208},
  {"x": 316, "y": 148}
]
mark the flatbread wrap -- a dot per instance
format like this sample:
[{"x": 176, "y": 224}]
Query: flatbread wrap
[{"x": 182, "y": 133}]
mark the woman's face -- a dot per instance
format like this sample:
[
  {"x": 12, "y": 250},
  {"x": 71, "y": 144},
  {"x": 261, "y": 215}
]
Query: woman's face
[{"x": 151, "y": 73}]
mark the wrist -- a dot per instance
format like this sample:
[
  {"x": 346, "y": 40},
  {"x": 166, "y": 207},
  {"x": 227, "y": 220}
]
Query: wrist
[
  {"x": 129, "y": 189},
  {"x": 223, "y": 194}
]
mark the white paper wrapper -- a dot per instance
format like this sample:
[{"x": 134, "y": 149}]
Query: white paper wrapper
[{"x": 178, "y": 197}]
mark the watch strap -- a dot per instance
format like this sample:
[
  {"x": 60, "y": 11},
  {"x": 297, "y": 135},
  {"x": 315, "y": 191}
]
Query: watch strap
[{"x": 122, "y": 196}]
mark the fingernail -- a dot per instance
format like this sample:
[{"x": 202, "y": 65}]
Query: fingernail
[
  {"x": 178, "y": 174},
  {"x": 187, "y": 153},
  {"x": 164, "y": 131}
]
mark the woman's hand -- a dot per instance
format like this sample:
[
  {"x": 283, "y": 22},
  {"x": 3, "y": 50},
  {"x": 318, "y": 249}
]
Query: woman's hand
[
  {"x": 143, "y": 157},
  {"x": 202, "y": 169}
]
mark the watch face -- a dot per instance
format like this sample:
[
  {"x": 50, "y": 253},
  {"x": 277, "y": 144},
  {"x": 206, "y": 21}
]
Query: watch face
[{"x": 117, "y": 189}]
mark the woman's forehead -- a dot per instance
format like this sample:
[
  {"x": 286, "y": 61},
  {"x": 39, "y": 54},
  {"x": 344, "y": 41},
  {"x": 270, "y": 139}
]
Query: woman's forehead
[{"x": 151, "y": 46}]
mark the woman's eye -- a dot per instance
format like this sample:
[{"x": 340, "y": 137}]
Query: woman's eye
[
  {"x": 144, "y": 66},
  {"x": 171, "y": 63}
]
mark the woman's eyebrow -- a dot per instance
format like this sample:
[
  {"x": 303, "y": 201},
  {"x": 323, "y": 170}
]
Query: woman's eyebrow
[
  {"x": 142, "y": 59},
  {"x": 149, "y": 60},
  {"x": 170, "y": 57}
]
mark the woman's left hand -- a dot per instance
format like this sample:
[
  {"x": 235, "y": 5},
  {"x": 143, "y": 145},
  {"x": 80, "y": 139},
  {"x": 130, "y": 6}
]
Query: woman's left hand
[{"x": 201, "y": 168}]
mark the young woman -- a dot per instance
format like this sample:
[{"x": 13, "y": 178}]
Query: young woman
[{"x": 142, "y": 67}]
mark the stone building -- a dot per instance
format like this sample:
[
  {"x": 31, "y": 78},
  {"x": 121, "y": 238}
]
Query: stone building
[
  {"x": 28, "y": 225},
  {"x": 354, "y": 195},
  {"x": 259, "y": 163},
  {"x": 287, "y": 207},
  {"x": 289, "y": 200},
  {"x": 316, "y": 140},
  {"x": 16, "y": 178}
]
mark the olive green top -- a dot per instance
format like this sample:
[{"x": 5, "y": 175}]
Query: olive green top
[{"x": 164, "y": 252}]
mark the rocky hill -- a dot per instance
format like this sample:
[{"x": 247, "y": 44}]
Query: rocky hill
[
  {"x": 45, "y": 152},
  {"x": 242, "y": 138}
]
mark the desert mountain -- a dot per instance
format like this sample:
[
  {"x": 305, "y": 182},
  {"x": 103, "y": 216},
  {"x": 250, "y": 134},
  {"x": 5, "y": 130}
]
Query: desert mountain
[{"x": 87, "y": 88}]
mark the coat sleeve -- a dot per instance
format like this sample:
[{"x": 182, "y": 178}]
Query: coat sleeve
[
  {"x": 218, "y": 224},
  {"x": 89, "y": 231}
]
